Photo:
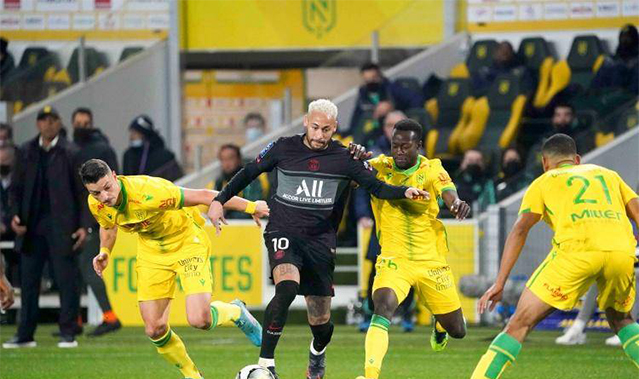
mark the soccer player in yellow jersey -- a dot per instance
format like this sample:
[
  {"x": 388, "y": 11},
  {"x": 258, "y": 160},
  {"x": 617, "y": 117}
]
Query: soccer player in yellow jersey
[
  {"x": 171, "y": 242},
  {"x": 588, "y": 207},
  {"x": 414, "y": 245}
]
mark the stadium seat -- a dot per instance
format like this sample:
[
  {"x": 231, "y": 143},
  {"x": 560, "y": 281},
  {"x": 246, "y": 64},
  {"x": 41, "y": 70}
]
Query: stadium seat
[
  {"x": 420, "y": 115},
  {"x": 536, "y": 55},
  {"x": 449, "y": 113},
  {"x": 495, "y": 118},
  {"x": 587, "y": 54},
  {"x": 57, "y": 83},
  {"x": 129, "y": 52},
  {"x": 408, "y": 84},
  {"x": 95, "y": 62},
  {"x": 367, "y": 129},
  {"x": 607, "y": 130},
  {"x": 35, "y": 65},
  {"x": 407, "y": 93},
  {"x": 481, "y": 55}
]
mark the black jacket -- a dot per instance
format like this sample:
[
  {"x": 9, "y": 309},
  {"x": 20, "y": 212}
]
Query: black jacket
[
  {"x": 151, "y": 159},
  {"x": 96, "y": 146},
  {"x": 68, "y": 203}
]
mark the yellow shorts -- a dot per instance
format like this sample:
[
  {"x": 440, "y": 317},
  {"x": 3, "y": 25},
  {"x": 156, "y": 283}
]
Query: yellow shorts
[
  {"x": 191, "y": 263},
  {"x": 433, "y": 282},
  {"x": 564, "y": 277}
]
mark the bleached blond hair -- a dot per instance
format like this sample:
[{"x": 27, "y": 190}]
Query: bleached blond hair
[{"x": 323, "y": 106}]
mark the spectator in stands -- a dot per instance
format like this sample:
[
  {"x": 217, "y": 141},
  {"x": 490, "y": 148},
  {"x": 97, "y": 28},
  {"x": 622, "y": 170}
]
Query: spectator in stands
[
  {"x": 382, "y": 145},
  {"x": 147, "y": 153},
  {"x": 50, "y": 224},
  {"x": 622, "y": 69},
  {"x": 254, "y": 126},
  {"x": 474, "y": 185},
  {"x": 505, "y": 61},
  {"x": 512, "y": 177},
  {"x": 374, "y": 97},
  {"x": 6, "y": 134},
  {"x": 563, "y": 121},
  {"x": 231, "y": 161},
  {"x": 7, "y": 64},
  {"x": 7, "y": 155},
  {"x": 93, "y": 144}
]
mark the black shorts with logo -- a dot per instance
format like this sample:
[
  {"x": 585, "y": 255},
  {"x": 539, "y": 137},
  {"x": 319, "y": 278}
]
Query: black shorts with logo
[{"x": 314, "y": 258}]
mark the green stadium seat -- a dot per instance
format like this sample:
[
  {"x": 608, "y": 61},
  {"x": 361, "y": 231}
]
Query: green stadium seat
[
  {"x": 129, "y": 52},
  {"x": 95, "y": 62},
  {"x": 496, "y": 117},
  {"x": 481, "y": 54},
  {"x": 447, "y": 112},
  {"x": 586, "y": 55},
  {"x": 536, "y": 55}
]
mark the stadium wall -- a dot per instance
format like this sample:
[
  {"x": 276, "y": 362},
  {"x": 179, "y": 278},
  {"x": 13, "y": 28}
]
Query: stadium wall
[{"x": 139, "y": 85}]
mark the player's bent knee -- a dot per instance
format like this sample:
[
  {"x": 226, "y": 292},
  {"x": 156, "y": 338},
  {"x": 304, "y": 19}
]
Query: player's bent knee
[
  {"x": 156, "y": 330},
  {"x": 200, "y": 320}
]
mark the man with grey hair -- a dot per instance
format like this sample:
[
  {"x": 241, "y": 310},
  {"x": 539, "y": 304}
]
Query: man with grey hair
[{"x": 313, "y": 183}]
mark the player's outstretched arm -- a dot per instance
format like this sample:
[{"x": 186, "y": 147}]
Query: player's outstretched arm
[
  {"x": 107, "y": 241},
  {"x": 514, "y": 244},
  {"x": 458, "y": 207},
  {"x": 258, "y": 209}
]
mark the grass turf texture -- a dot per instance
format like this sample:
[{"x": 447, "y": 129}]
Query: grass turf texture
[{"x": 221, "y": 353}]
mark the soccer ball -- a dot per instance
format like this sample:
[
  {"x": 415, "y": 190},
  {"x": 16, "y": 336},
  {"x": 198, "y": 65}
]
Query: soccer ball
[{"x": 254, "y": 372}]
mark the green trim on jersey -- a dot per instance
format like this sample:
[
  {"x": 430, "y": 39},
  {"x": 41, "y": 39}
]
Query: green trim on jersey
[
  {"x": 408, "y": 171},
  {"x": 181, "y": 198},
  {"x": 125, "y": 197}
]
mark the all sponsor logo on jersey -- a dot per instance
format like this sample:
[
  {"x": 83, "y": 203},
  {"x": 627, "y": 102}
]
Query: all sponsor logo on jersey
[{"x": 311, "y": 192}]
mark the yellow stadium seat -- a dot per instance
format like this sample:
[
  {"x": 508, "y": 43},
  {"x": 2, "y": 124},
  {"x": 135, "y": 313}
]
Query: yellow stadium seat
[
  {"x": 460, "y": 71},
  {"x": 496, "y": 118}
]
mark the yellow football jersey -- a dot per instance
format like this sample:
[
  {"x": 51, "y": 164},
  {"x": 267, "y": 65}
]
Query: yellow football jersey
[
  {"x": 152, "y": 208},
  {"x": 585, "y": 205},
  {"x": 408, "y": 228}
]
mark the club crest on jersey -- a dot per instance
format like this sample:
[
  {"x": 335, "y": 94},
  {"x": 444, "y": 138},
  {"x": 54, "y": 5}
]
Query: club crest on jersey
[
  {"x": 262, "y": 153},
  {"x": 313, "y": 165},
  {"x": 279, "y": 254}
]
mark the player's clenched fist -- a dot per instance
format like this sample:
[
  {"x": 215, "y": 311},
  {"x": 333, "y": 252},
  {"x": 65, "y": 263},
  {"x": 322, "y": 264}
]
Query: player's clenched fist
[
  {"x": 100, "y": 263},
  {"x": 416, "y": 194}
]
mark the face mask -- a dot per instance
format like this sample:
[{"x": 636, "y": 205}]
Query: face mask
[
  {"x": 81, "y": 134},
  {"x": 511, "y": 168},
  {"x": 373, "y": 86},
  {"x": 474, "y": 170},
  {"x": 252, "y": 134},
  {"x": 5, "y": 170},
  {"x": 136, "y": 143}
]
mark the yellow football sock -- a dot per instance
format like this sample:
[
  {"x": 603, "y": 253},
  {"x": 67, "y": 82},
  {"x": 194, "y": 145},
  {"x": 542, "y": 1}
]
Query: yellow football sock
[
  {"x": 439, "y": 327},
  {"x": 501, "y": 353},
  {"x": 171, "y": 347},
  {"x": 376, "y": 346},
  {"x": 224, "y": 313}
]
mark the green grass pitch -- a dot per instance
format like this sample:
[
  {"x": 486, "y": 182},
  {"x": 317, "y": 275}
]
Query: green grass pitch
[{"x": 221, "y": 353}]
